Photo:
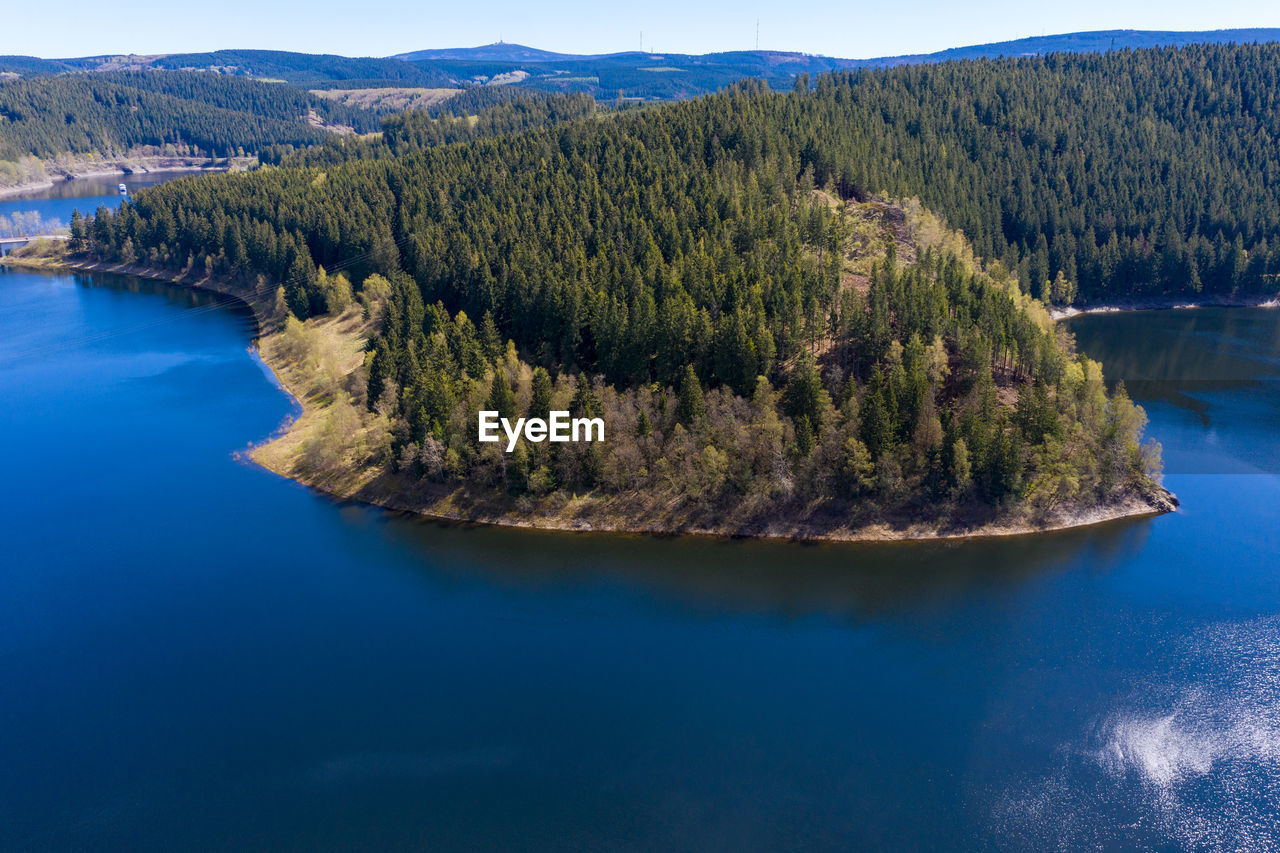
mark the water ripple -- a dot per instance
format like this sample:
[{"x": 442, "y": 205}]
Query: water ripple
[{"x": 1192, "y": 760}]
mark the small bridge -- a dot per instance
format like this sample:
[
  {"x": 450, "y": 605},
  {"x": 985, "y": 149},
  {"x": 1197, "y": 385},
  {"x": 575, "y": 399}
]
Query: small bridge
[{"x": 8, "y": 244}]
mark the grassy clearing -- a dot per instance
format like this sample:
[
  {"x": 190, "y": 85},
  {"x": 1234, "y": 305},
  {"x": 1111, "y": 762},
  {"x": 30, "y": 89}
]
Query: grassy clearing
[
  {"x": 392, "y": 100},
  {"x": 39, "y": 254},
  {"x": 335, "y": 443}
]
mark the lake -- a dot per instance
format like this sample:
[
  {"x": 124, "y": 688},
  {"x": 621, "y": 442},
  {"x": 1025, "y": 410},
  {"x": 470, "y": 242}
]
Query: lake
[
  {"x": 196, "y": 653},
  {"x": 55, "y": 204}
]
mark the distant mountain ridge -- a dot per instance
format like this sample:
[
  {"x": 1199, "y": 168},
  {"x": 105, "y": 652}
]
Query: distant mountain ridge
[
  {"x": 627, "y": 75},
  {"x": 1095, "y": 41},
  {"x": 499, "y": 51},
  {"x": 1079, "y": 42},
  {"x": 637, "y": 75}
]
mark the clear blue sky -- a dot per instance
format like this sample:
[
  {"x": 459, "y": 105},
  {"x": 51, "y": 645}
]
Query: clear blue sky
[{"x": 850, "y": 28}]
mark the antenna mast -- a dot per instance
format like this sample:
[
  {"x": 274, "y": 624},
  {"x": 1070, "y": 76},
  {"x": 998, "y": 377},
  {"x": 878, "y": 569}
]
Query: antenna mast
[{"x": 757, "y": 33}]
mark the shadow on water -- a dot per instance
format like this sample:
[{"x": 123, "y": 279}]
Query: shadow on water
[
  {"x": 1189, "y": 396},
  {"x": 179, "y": 295},
  {"x": 1221, "y": 366},
  {"x": 1185, "y": 346},
  {"x": 860, "y": 582},
  {"x": 185, "y": 297}
]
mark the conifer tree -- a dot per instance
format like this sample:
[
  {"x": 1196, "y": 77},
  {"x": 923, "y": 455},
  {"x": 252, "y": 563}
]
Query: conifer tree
[
  {"x": 541, "y": 392},
  {"x": 691, "y": 407},
  {"x": 501, "y": 398}
]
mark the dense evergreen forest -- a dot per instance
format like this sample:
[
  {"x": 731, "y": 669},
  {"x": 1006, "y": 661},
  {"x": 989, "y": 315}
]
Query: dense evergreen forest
[
  {"x": 474, "y": 114},
  {"x": 1134, "y": 173},
  {"x": 305, "y": 70},
  {"x": 685, "y": 271},
  {"x": 115, "y": 111},
  {"x": 1130, "y": 175}
]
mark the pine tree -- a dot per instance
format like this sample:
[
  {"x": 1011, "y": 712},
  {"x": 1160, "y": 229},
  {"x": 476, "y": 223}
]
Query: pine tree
[
  {"x": 585, "y": 404},
  {"x": 691, "y": 407},
  {"x": 540, "y": 398},
  {"x": 804, "y": 437},
  {"x": 79, "y": 234},
  {"x": 490, "y": 338},
  {"x": 300, "y": 285},
  {"x": 876, "y": 417},
  {"x": 804, "y": 396},
  {"x": 501, "y": 398},
  {"x": 959, "y": 473}
]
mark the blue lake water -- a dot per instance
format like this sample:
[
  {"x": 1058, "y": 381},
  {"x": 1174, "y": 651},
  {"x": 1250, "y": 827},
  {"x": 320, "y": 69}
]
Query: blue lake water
[
  {"x": 195, "y": 653},
  {"x": 56, "y": 203}
]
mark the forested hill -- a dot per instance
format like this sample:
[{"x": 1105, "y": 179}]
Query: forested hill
[
  {"x": 640, "y": 75},
  {"x": 1093, "y": 41},
  {"x": 1134, "y": 174},
  {"x": 475, "y": 114},
  {"x": 204, "y": 113},
  {"x": 710, "y": 277},
  {"x": 299, "y": 69}
]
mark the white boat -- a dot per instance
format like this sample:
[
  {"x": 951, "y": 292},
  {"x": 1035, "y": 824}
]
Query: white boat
[{"x": 124, "y": 190}]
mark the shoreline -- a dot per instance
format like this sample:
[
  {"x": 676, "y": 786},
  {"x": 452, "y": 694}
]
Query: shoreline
[
  {"x": 201, "y": 282},
  {"x": 138, "y": 166},
  {"x": 381, "y": 490},
  {"x": 1134, "y": 509},
  {"x": 1166, "y": 303}
]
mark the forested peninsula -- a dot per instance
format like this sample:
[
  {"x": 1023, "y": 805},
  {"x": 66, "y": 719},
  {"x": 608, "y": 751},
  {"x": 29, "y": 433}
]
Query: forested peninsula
[{"x": 779, "y": 338}]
